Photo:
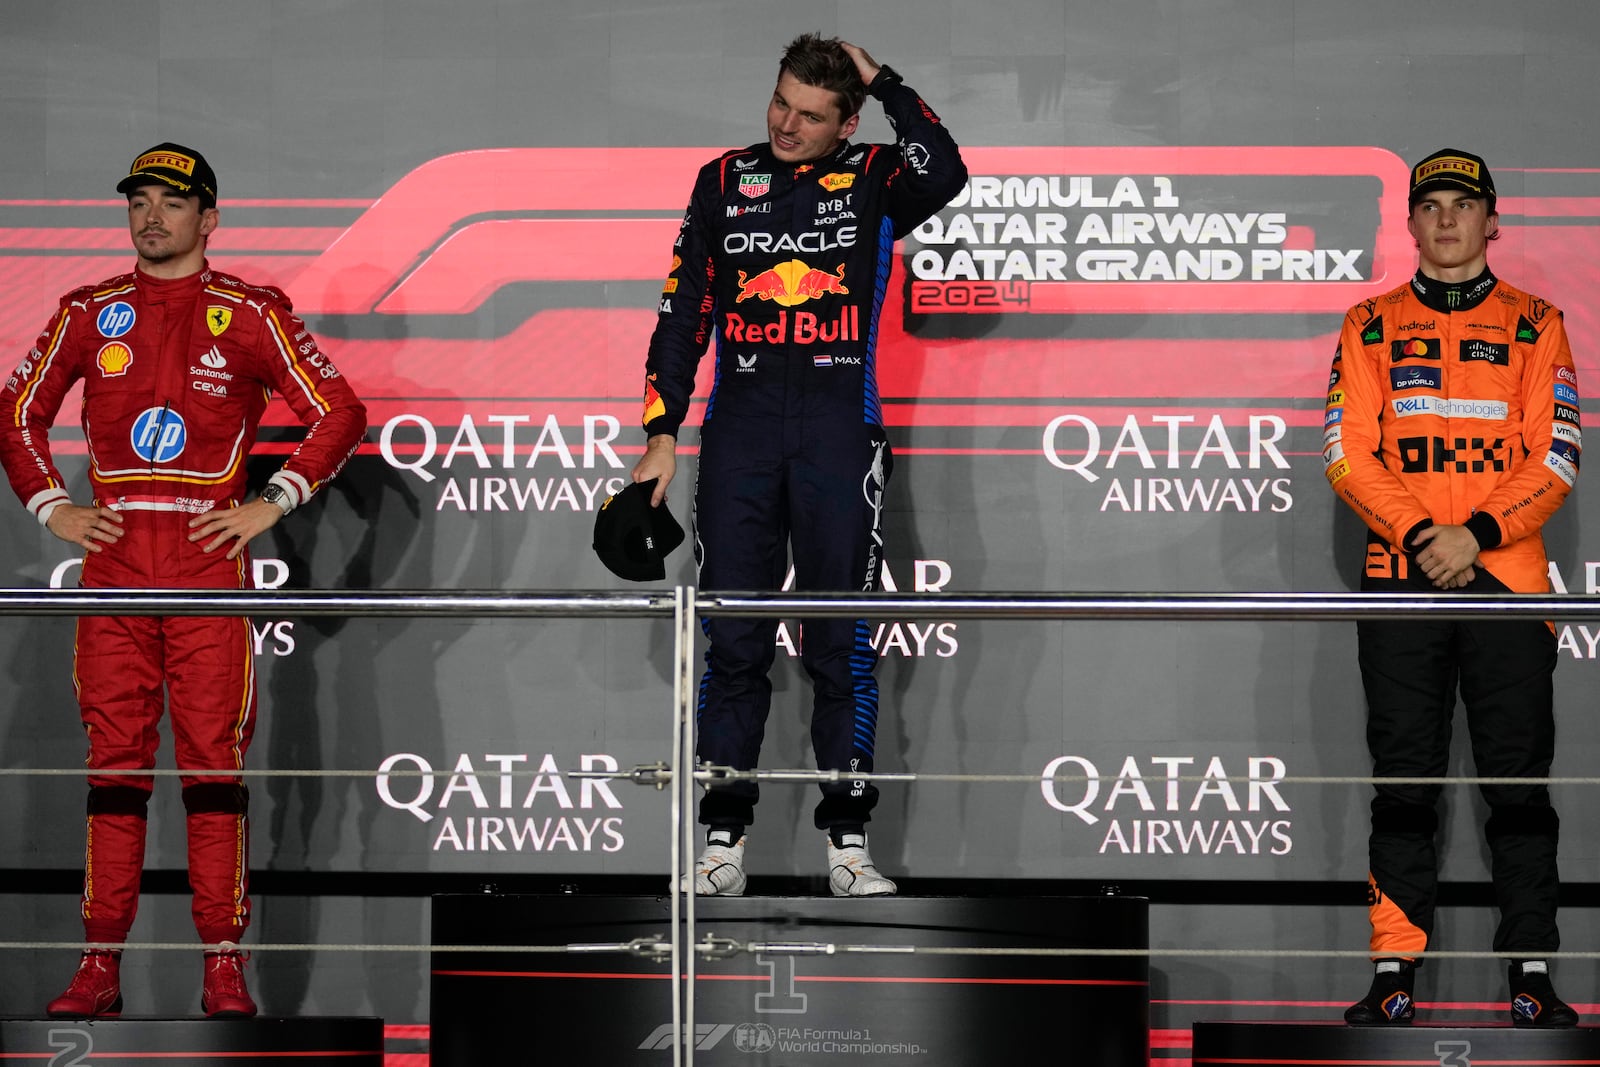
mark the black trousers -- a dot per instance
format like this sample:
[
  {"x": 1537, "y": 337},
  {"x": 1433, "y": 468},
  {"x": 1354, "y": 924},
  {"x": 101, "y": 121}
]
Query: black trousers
[
  {"x": 1411, "y": 671},
  {"x": 765, "y": 489}
]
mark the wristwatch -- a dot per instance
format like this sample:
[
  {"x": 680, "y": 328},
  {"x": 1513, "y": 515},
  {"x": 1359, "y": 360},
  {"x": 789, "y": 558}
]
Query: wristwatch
[{"x": 275, "y": 494}]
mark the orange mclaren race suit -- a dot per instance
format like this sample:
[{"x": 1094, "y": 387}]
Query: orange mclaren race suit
[
  {"x": 1456, "y": 404},
  {"x": 176, "y": 374},
  {"x": 787, "y": 267}
]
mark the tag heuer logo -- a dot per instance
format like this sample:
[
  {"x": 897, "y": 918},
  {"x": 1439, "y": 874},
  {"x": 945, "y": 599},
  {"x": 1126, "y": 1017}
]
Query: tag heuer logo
[{"x": 754, "y": 185}]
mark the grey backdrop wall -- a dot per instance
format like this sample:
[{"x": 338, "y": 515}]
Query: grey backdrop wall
[{"x": 1104, "y": 371}]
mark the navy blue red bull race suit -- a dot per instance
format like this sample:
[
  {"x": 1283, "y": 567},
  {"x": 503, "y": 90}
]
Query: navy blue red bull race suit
[
  {"x": 786, "y": 266},
  {"x": 1456, "y": 404}
]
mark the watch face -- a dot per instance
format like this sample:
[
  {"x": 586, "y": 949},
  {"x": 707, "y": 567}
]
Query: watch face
[{"x": 272, "y": 493}]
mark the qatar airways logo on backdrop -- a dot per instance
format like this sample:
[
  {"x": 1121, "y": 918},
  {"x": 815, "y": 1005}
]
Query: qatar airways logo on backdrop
[
  {"x": 1578, "y": 640},
  {"x": 268, "y": 637},
  {"x": 515, "y": 461},
  {"x": 1175, "y": 805},
  {"x": 506, "y": 802},
  {"x": 1155, "y": 462},
  {"x": 909, "y": 639}
]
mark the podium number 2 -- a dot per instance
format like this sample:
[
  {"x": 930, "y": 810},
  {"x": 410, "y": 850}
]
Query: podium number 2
[{"x": 75, "y": 1046}]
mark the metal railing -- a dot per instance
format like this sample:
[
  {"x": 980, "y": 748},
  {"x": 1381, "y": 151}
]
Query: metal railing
[{"x": 683, "y": 605}]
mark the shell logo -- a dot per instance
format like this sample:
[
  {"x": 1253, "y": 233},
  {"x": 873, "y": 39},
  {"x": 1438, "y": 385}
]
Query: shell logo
[{"x": 114, "y": 359}]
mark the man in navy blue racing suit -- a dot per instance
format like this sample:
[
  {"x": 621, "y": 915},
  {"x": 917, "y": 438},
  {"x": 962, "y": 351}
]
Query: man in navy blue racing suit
[{"x": 784, "y": 257}]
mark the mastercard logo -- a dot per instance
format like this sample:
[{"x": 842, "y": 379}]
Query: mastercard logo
[
  {"x": 1415, "y": 348},
  {"x": 114, "y": 359}
]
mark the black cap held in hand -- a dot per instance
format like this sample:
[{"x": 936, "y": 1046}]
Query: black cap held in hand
[{"x": 632, "y": 538}]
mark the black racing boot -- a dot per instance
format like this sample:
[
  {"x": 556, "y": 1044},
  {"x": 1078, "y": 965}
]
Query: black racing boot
[
  {"x": 1534, "y": 1002},
  {"x": 1388, "y": 1002}
]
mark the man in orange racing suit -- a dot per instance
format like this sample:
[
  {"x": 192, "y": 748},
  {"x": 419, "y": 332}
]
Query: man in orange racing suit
[
  {"x": 177, "y": 363},
  {"x": 1452, "y": 430}
]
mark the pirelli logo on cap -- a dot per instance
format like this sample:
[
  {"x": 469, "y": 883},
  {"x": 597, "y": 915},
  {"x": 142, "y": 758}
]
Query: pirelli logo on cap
[
  {"x": 1447, "y": 167},
  {"x": 170, "y": 160}
]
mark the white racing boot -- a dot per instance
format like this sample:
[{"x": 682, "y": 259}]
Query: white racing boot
[
  {"x": 719, "y": 872},
  {"x": 851, "y": 872}
]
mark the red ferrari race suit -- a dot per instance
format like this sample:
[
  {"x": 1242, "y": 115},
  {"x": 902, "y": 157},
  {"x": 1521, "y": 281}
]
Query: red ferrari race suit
[
  {"x": 787, "y": 266},
  {"x": 176, "y": 374},
  {"x": 1456, "y": 404}
]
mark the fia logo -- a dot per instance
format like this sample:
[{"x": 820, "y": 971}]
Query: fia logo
[{"x": 754, "y": 1037}]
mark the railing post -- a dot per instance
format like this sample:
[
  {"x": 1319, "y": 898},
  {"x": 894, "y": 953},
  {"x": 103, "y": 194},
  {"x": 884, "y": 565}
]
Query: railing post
[{"x": 683, "y": 707}]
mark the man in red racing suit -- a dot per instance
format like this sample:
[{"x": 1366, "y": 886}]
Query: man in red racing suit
[
  {"x": 784, "y": 257},
  {"x": 177, "y": 363},
  {"x": 1452, "y": 430}
]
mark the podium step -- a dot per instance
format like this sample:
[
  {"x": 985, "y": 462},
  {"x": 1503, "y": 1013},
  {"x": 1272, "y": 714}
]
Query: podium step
[
  {"x": 838, "y": 1009},
  {"x": 130, "y": 1041},
  {"x": 1267, "y": 1044}
]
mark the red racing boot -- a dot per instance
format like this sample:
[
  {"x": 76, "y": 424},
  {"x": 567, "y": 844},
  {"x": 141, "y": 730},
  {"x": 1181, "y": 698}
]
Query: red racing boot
[
  {"x": 95, "y": 991},
  {"x": 223, "y": 994}
]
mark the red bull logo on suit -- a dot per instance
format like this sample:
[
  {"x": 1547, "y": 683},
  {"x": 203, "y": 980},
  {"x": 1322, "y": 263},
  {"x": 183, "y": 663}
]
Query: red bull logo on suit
[{"x": 790, "y": 283}]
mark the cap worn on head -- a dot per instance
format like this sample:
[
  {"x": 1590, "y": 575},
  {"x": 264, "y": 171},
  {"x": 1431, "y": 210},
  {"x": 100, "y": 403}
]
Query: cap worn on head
[
  {"x": 182, "y": 168},
  {"x": 632, "y": 538},
  {"x": 1451, "y": 168}
]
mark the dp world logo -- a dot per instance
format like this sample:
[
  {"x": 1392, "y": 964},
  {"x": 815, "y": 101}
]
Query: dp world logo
[{"x": 158, "y": 435}]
